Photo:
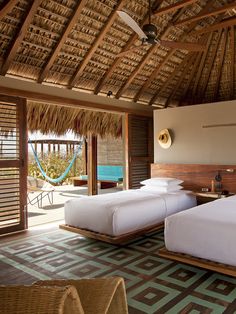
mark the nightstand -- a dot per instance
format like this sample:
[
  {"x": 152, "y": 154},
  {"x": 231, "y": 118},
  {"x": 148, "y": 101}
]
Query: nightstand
[{"x": 206, "y": 197}]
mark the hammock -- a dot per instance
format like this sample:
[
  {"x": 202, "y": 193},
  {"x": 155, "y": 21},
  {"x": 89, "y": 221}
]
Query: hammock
[{"x": 62, "y": 177}]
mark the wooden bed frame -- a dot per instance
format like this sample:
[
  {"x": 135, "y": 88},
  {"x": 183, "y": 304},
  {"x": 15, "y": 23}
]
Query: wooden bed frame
[
  {"x": 113, "y": 239},
  {"x": 194, "y": 176},
  {"x": 199, "y": 262}
]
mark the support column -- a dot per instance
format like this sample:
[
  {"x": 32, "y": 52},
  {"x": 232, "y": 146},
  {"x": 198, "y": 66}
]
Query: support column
[
  {"x": 92, "y": 165},
  {"x": 125, "y": 137}
]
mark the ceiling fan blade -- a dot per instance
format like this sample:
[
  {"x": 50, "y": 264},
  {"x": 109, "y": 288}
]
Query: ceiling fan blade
[
  {"x": 125, "y": 52},
  {"x": 132, "y": 24},
  {"x": 182, "y": 45}
]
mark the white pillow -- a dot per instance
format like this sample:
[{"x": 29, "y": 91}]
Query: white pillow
[
  {"x": 159, "y": 181},
  {"x": 163, "y": 189}
]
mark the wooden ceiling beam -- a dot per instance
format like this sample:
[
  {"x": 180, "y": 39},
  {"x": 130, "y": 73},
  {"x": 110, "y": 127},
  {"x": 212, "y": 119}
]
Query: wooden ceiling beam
[
  {"x": 221, "y": 61},
  {"x": 180, "y": 80},
  {"x": 154, "y": 74},
  {"x": 232, "y": 57},
  {"x": 214, "y": 53},
  {"x": 216, "y": 27},
  {"x": 114, "y": 65},
  {"x": 96, "y": 43},
  {"x": 173, "y": 7},
  {"x": 200, "y": 68},
  {"x": 169, "y": 55},
  {"x": 192, "y": 73},
  {"x": 76, "y": 12},
  {"x": 20, "y": 35},
  {"x": 117, "y": 61},
  {"x": 136, "y": 71},
  {"x": 210, "y": 12},
  {"x": 7, "y": 7},
  {"x": 170, "y": 78}
]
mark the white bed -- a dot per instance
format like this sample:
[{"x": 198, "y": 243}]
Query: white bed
[
  {"x": 207, "y": 231},
  {"x": 124, "y": 212}
]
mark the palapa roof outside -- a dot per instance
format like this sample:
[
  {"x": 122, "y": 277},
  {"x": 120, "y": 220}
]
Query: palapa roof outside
[
  {"x": 53, "y": 119},
  {"x": 75, "y": 44}
]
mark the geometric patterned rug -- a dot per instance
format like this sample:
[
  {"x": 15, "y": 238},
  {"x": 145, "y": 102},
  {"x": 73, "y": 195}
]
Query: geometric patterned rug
[{"x": 153, "y": 284}]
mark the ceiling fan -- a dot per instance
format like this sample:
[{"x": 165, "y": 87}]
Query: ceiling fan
[{"x": 148, "y": 35}]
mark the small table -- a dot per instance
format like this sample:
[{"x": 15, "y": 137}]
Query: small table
[{"x": 206, "y": 197}]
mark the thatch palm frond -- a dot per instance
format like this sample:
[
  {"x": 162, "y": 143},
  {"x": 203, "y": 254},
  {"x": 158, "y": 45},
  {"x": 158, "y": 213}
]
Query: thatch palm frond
[{"x": 58, "y": 120}]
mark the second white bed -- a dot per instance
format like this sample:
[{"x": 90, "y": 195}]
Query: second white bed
[
  {"x": 207, "y": 231},
  {"x": 122, "y": 212}
]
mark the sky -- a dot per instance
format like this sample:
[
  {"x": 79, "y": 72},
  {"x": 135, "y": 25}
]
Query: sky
[{"x": 38, "y": 135}]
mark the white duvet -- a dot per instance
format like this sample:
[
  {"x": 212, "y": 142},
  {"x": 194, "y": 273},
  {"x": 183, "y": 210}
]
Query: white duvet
[
  {"x": 126, "y": 211},
  {"x": 207, "y": 231}
]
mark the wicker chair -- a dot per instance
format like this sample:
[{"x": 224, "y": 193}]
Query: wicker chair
[
  {"x": 39, "y": 300},
  {"x": 98, "y": 295},
  {"x": 84, "y": 296}
]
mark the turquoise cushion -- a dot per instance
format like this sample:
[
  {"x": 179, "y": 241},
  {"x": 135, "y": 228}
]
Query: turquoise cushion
[{"x": 108, "y": 173}]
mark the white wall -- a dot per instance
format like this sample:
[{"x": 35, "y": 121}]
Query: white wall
[{"x": 191, "y": 142}]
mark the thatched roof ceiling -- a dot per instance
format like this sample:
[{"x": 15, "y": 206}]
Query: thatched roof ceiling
[
  {"x": 75, "y": 44},
  {"x": 53, "y": 119}
]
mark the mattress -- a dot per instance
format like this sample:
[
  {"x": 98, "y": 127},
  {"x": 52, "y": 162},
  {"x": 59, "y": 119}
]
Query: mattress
[
  {"x": 207, "y": 231},
  {"x": 122, "y": 212}
]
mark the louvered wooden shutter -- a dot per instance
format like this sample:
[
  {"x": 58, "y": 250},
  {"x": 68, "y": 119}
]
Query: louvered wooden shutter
[
  {"x": 13, "y": 164},
  {"x": 140, "y": 149}
]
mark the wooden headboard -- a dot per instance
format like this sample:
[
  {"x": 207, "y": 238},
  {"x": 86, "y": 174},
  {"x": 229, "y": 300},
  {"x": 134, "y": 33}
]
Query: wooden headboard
[{"x": 196, "y": 176}]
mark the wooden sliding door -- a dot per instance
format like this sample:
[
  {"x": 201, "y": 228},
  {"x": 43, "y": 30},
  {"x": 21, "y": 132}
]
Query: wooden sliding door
[{"x": 13, "y": 164}]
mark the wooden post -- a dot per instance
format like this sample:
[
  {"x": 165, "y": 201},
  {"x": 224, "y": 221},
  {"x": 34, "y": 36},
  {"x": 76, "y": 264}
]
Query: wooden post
[
  {"x": 74, "y": 166},
  {"x": 41, "y": 150},
  {"x": 35, "y": 147},
  {"x": 92, "y": 165},
  {"x": 125, "y": 137}
]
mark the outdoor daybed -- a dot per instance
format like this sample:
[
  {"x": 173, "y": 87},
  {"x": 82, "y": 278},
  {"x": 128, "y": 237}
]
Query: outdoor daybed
[
  {"x": 118, "y": 217},
  {"x": 204, "y": 236}
]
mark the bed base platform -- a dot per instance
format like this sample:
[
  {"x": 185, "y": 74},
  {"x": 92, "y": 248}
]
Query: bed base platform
[
  {"x": 113, "y": 239},
  {"x": 199, "y": 262}
]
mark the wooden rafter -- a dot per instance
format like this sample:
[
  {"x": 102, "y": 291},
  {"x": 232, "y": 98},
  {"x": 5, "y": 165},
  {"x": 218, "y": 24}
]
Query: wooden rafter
[
  {"x": 7, "y": 7},
  {"x": 170, "y": 78},
  {"x": 136, "y": 71},
  {"x": 180, "y": 80},
  {"x": 143, "y": 62},
  {"x": 62, "y": 40},
  {"x": 221, "y": 61},
  {"x": 210, "y": 66},
  {"x": 154, "y": 74},
  {"x": 173, "y": 7},
  {"x": 192, "y": 73},
  {"x": 127, "y": 46},
  {"x": 114, "y": 65},
  {"x": 216, "y": 27},
  {"x": 207, "y": 14},
  {"x": 232, "y": 74},
  {"x": 168, "y": 56},
  {"x": 20, "y": 35},
  {"x": 96, "y": 43},
  {"x": 200, "y": 68}
]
